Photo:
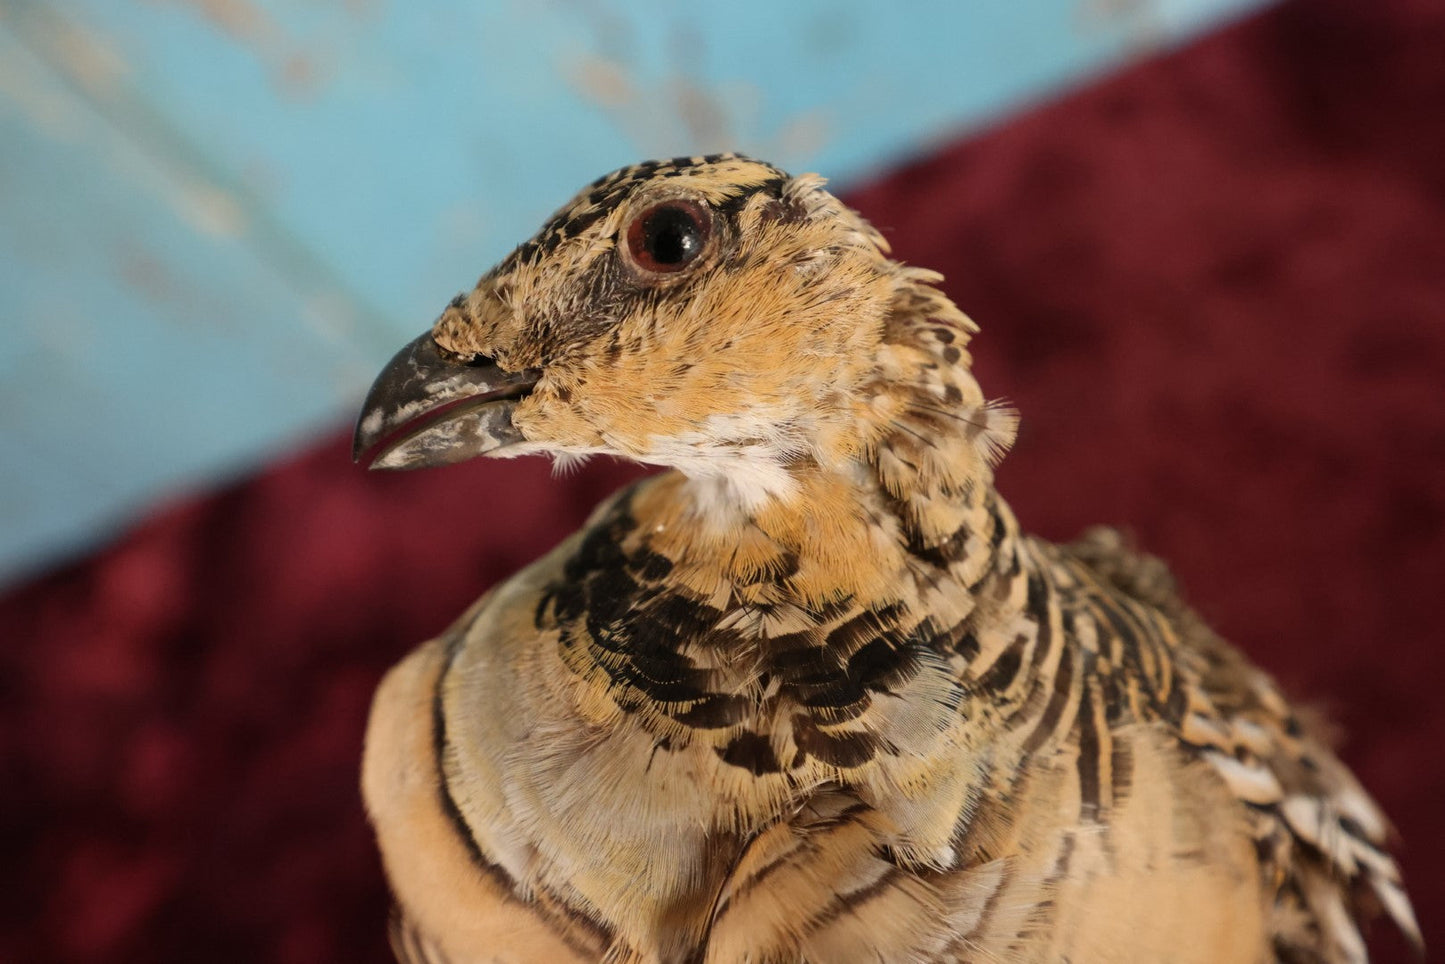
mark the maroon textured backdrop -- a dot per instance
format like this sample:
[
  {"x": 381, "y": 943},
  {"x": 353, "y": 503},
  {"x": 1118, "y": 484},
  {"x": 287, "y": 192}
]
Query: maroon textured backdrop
[{"x": 1214, "y": 285}]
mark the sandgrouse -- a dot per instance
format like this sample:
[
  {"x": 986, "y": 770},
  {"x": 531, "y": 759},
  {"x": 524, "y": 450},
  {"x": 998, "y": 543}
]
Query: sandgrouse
[{"x": 811, "y": 695}]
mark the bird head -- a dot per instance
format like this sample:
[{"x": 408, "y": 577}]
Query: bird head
[{"x": 711, "y": 314}]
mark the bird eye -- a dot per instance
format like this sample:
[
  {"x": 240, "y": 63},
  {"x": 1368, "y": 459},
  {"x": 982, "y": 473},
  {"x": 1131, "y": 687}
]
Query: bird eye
[{"x": 669, "y": 236}]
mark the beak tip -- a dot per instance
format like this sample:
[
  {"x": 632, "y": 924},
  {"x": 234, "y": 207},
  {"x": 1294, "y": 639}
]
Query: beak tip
[{"x": 379, "y": 412}]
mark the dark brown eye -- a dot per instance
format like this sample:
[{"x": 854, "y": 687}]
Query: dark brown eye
[{"x": 668, "y": 236}]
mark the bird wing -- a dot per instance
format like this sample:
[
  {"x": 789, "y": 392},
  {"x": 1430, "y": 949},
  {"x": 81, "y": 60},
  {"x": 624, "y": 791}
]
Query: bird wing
[{"x": 1316, "y": 829}]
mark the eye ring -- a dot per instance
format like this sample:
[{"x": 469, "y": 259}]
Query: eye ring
[{"x": 669, "y": 236}]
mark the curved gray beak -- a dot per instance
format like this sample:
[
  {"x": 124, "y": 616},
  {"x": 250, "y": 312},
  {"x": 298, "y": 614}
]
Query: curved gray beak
[{"x": 425, "y": 409}]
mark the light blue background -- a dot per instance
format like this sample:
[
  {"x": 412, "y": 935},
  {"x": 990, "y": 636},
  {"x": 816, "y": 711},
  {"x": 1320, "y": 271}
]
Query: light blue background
[{"x": 219, "y": 217}]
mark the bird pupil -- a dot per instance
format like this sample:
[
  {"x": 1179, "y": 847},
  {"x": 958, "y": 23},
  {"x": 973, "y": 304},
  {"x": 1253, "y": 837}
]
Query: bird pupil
[{"x": 672, "y": 236}]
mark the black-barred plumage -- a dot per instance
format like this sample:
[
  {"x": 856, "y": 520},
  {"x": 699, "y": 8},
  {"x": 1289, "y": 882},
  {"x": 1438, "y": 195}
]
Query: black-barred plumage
[{"x": 814, "y": 696}]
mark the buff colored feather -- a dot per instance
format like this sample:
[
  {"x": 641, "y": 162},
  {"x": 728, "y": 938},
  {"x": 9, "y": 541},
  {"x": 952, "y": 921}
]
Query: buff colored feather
[{"x": 812, "y": 695}]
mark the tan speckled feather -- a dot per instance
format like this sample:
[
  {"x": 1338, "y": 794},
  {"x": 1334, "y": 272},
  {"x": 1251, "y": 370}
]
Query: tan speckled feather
[{"x": 812, "y": 696}]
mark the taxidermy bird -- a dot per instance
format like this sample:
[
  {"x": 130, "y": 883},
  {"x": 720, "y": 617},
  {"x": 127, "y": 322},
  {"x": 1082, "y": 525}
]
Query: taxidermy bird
[{"x": 811, "y": 694}]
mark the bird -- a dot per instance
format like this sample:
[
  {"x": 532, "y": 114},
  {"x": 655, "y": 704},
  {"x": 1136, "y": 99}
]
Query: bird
[{"x": 810, "y": 693}]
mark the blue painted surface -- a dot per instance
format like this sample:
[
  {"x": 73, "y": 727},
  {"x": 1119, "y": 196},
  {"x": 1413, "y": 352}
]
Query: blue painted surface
[{"x": 218, "y": 217}]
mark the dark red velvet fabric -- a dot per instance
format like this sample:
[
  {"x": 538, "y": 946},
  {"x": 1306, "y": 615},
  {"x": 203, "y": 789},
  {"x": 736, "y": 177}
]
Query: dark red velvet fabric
[{"x": 1215, "y": 287}]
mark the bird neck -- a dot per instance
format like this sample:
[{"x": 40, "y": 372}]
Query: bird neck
[
  {"x": 711, "y": 610},
  {"x": 908, "y": 485},
  {"x": 803, "y": 608},
  {"x": 840, "y": 534}
]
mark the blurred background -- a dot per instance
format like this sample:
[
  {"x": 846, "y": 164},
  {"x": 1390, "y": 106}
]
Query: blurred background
[{"x": 1205, "y": 240}]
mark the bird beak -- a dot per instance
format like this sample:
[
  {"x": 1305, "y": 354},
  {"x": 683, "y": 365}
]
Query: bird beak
[{"x": 425, "y": 409}]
